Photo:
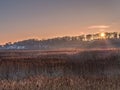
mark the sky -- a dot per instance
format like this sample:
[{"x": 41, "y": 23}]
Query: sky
[{"x": 42, "y": 19}]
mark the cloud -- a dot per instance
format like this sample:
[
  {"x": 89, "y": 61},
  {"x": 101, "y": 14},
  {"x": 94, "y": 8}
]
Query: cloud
[{"x": 99, "y": 27}]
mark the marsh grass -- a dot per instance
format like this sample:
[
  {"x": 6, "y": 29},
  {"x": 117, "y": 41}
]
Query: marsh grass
[{"x": 83, "y": 70}]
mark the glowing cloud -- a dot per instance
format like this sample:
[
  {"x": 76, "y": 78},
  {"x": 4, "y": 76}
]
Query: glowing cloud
[{"x": 99, "y": 27}]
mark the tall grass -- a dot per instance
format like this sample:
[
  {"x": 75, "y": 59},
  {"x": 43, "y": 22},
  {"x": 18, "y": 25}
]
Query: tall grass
[
  {"x": 61, "y": 83},
  {"x": 80, "y": 70}
]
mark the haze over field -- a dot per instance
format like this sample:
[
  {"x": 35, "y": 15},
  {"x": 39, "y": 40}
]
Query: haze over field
[
  {"x": 23, "y": 19},
  {"x": 59, "y": 44}
]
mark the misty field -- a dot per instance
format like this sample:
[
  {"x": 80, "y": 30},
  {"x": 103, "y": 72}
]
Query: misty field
[{"x": 96, "y": 69}]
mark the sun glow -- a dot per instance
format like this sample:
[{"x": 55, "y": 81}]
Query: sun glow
[{"x": 102, "y": 35}]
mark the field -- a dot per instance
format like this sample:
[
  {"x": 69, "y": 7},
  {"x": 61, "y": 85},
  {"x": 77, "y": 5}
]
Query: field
[{"x": 96, "y": 69}]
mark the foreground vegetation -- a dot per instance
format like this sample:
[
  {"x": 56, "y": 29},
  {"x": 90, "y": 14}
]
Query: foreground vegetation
[
  {"x": 60, "y": 70},
  {"x": 61, "y": 83}
]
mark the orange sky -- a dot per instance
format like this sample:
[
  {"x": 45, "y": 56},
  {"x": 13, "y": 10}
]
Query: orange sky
[{"x": 44, "y": 19}]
